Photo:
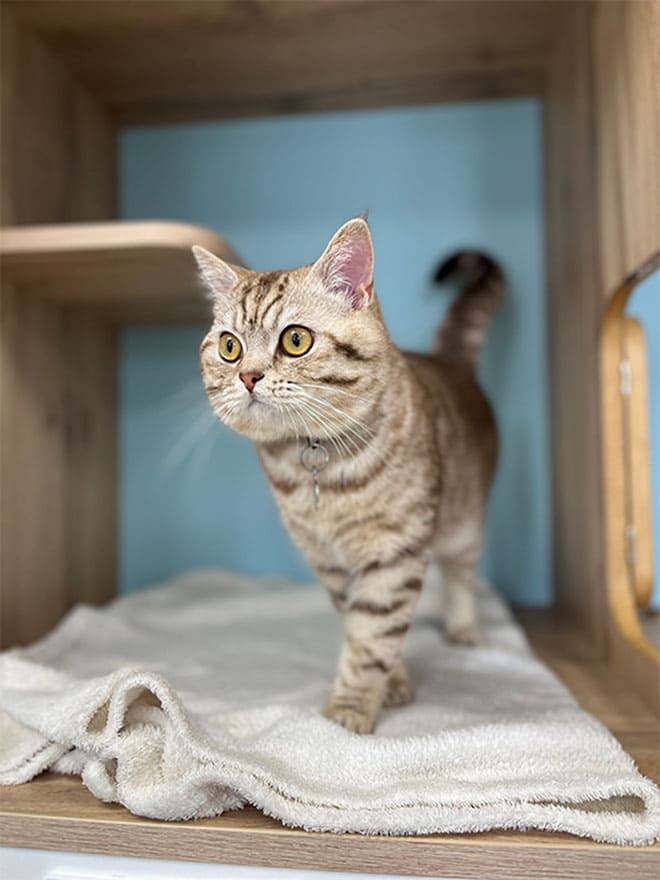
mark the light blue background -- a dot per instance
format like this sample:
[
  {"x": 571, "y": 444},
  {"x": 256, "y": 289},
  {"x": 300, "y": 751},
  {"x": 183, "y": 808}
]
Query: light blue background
[
  {"x": 434, "y": 179},
  {"x": 644, "y": 304}
]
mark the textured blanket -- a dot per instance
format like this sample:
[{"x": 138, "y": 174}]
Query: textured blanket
[{"x": 205, "y": 694}]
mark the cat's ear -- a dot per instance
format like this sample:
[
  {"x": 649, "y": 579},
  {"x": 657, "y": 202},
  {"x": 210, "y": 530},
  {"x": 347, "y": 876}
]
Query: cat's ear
[
  {"x": 218, "y": 276},
  {"x": 346, "y": 267}
]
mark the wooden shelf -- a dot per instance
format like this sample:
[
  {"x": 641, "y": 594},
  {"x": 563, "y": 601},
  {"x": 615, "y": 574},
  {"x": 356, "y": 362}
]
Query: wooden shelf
[
  {"x": 74, "y": 72},
  {"x": 165, "y": 61},
  {"x": 126, "y": 272},
  {"x": 58, "y": 813}
]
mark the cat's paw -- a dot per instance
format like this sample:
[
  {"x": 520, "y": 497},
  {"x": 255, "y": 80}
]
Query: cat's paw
[
  {"x": 467, "y": 634},
  {"x": 350, "y": 719},
  {"x": 399, "y": 690}
]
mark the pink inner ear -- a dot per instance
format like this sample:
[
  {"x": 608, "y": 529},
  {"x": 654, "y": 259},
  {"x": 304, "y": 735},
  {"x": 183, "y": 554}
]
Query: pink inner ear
[
  {"x": 358, "y": 265},
  {"x": 349, "y": 266}
]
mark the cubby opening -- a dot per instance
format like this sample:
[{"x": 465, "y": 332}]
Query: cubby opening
[{"x": 73, "y": 81}]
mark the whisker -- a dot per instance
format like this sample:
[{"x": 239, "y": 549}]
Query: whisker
[
  {"x": 328, "y": 388},
  {"x": 295, "y": 412},
  {"x": 190, "y": 437},
  {"x": 352, "y": 432},
  {"x": 346, "y": 415},
  {"x": 337, "y": 441},
  {"x": 359, "y": 424},
  {"x": 295, "y": 408},
  {"x": 201, "y": 460},
  {"x": 189, "y": 397},
  {"x": 287, "y": 412},
  {"x": 346, "y": 440},
  {"x": 336, "y": 418}
]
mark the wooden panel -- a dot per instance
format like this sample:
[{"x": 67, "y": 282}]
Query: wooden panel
[
  {"x": 626, "y": 64},
  {"x": 637, "y": 414},
  {"x": 59, "y": 813},
  {"x": 631, "y": 652},
  {"x": 603, "y": 213},
  {"x": 58, "y": 143},
  {"x": 33, "y": 569},
  {"x": 90, "y": 356},
  {"x": 603, "y": 221},
  {"x": 123, "y": 271},
  {"x": 626, "y": 61},
  {"x": 58, "y": 378},
  {"x": 176, "y": 60},
  {"x": 57, "y": 464},
  {"x": 72, "y": 286},
  {"x": 575, "y": 301}
]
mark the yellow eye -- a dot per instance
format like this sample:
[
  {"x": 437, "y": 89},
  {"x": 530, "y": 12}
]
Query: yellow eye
[
  {"x": 296, "y": 340},
  {"x": 229, "y": 348}
]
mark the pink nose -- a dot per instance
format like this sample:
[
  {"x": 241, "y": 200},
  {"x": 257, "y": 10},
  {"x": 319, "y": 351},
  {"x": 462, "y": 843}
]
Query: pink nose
[{"x": 250, "y": 379}]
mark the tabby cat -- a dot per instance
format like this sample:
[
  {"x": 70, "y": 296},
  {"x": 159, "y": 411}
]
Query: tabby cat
[{"x": 379, "y": 460}]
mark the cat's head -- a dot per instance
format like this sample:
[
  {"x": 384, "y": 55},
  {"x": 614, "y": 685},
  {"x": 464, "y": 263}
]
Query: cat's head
[{"x": 300, "y": 352}]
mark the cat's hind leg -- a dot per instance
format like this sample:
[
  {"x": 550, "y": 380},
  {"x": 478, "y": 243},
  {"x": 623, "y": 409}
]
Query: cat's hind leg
[
  {"x": 460, "y": 610},
  {"x": 399, "y": 690},
  {"x": 458, "y": 554}
]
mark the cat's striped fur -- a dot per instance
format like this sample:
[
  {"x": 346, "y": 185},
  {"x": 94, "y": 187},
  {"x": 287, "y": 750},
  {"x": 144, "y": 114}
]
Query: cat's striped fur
[{"x": 411, "y": 443}]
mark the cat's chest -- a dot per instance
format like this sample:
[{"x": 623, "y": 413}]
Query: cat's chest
[
  {"x": 308, "y": 483},
  {"x": 296, "y": 470}
]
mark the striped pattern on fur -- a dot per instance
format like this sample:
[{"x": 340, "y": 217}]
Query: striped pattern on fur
[{"x": 411, "y": 445}]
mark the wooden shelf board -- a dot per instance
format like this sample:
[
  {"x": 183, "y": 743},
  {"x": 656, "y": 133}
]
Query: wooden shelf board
[
  {"x": 167, "y": 60},
  {"x": 128, "y": 272},
  {"x": 58, "y": 813}
]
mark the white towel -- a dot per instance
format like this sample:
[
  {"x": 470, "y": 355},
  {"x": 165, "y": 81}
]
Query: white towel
[{"x": 205, "y": 694}]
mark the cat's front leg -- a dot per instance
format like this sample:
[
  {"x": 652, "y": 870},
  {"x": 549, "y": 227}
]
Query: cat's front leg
[
  {"x": 336, "y": 581},
  {"x": 377, "y": 617}
]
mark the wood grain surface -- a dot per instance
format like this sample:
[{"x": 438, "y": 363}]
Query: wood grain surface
[
  {"x": 626, "y": 65},
  {"x": 57, "y": 439},
  {"x": 120, "y": 272},
  {"x": 630, "y": 651},
  {"x": 626, "y": 151},
  {"x": 164, "y": 61},
  {"x": 637, "y": 415},
  {"x": 58, "y": 516},
  {"x": 66, "y": 289},
  {"x": 58, "y": 142},
  {"x": 575, "y": 303},
  {"x": 602, "y": 129}
]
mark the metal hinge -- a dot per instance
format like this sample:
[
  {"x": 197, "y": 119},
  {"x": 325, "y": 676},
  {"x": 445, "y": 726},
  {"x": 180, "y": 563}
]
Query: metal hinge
[
  {"x": 631, "y": 545},
  {"x": 625, "y": 374}
]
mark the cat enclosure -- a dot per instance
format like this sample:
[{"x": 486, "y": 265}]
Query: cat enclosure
[{"x": 73, "y": 75}]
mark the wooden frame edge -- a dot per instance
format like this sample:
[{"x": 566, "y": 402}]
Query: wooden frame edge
[{"x": 620, "y": 587}]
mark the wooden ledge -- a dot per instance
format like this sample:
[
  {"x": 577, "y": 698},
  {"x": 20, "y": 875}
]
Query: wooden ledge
[
  {"x": 58, "y": 813},
  {"x": 127, "y": 272}
]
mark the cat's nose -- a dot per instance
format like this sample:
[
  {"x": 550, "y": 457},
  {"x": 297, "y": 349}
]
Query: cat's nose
[{"x": 250, "y": 379}]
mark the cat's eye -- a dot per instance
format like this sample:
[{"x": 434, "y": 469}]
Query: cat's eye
[
  {"x": 229, "y": 348},
  {"x": 296, "y": 340}
]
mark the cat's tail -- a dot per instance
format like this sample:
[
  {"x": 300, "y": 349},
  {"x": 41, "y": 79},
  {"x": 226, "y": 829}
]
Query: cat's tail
[{"x": 463, "y": 330}]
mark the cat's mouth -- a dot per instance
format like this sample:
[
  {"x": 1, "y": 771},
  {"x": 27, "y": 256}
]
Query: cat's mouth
[
  {"x": 259, "y": 418},
  {"x": 255, "y": 401}
]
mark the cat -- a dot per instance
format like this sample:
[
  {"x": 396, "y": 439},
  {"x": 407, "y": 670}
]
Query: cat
[{"x": 379, "y": 460}]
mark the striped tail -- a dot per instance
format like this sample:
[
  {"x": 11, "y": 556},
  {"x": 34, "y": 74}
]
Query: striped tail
[{"x": 463, "y": 330}]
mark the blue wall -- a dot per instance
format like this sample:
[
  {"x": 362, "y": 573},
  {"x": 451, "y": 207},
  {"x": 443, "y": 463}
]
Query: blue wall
[
  {"x": 433, "y": 179},
  {"x": 644, "y": 304}
]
